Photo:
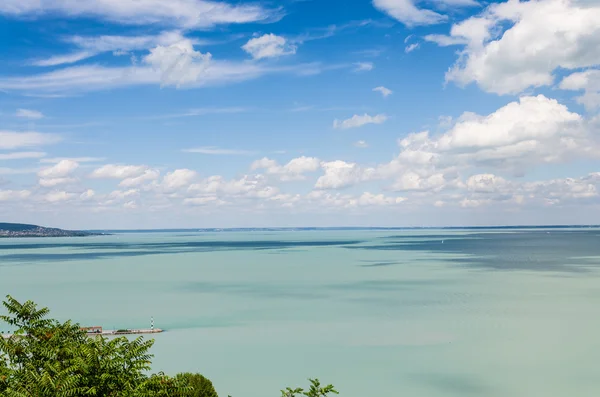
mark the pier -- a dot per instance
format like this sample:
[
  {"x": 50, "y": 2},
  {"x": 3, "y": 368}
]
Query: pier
[{"x": 95, "y": 331}]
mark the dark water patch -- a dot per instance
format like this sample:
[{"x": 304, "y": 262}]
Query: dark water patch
[
  {"x": 93, "y": 251},
  {"x": 562, "y": 251},
  {"x": 378, "y": 263},
  {"x": 454, "y": 384},
  {"x": 213, "y": 245}
]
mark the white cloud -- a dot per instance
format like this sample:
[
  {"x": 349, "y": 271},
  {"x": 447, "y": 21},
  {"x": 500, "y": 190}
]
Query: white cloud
[
  {"x": 378, "y": 199},
  {"x": 21, "y": 155},
  {"x": 82, "y": 78},
  {"x": 384, "y": 91},
  {"x": 193, "y": 71},
  {"x": 58, "y": 196},
  {"x": 218, "y": 151},
  {"x": 541, "y": 37},
  {"x": 148, "y": 175},
  {"x": 60, "y": 170},
  {"x": 446, "y": 41},
  {"x": 52, "y": 182},
  {"x": 63, "y": 59},
  {"x": 58, "y": 174},
  {"x": 90, "y": 46},
  {"x": 364, "y": 66},
  {"x": 532, "y": 131},
  {"x": 269, "y": 46},
  {"x": 113, "y": 171},
  {"x": 130, "y": 205},
  {"x": 29, "y": 114},
  {"x": 361, "y": 144},
  {"x": 358, "y": 121},
  {"x": 185, "y": 13},
  {"x": 293, "y": 170},
  {"x": 14, "y": 195},
  {"x": 15, "y": 140},
  {"x": 179, "y": 63},
  {"x": 87, "y": 195},
  {"x": 55, "y": 160},
  {"x": 339, "y": 174},
  {"x": 411, "y": 47},
  {"x": 17, "y": 171},
  {"x": 178, "y": 179},
  {"x": 486, "y": 183},
  {"x": 406, "y": 12},
  {"x": 253, "y": 187},
  {"x": 589, "y": 82}
]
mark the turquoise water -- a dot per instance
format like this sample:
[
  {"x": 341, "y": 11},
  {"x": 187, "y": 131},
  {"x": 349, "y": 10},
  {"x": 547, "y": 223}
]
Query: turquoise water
[{"x": 377, "y": 313}]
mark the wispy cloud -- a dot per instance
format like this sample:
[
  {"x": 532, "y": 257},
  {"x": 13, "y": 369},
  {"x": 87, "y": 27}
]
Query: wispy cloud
[
  {"x": 213, "y": 150},
  {"x": 183, "y": 13},
  {"x": 384, "y": 91},
  {"x": 21, "y": 155},
  {"x": 29, "y": 114},
  {"x": 411, "y": 47},
  {"x": 199, "y": 112},
  {"x": 14, "y": 140},
  {"x": 358, "y": 121},
  {"x": 86, "y": 78},
  {"x": 55, "y": 160},
  {"x": 63, "y": 59},
  {"x": 364, "y": 66}
]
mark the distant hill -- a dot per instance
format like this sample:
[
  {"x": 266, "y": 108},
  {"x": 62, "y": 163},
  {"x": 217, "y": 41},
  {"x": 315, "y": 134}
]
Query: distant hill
[{"x": 24, "y": 230}]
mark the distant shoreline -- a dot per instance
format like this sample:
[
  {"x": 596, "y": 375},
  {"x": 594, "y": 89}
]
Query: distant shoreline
[{"x": 350, "y": 228}]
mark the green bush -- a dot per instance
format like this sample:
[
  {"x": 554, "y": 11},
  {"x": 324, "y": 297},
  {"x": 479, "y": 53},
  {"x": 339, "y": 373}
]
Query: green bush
[{"x": 201, "y": 386}]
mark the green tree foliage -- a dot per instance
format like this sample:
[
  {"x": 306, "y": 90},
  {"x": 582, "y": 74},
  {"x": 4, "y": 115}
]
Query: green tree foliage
[
  {"x": 315, "y": 390},
  {"x": 201, "y": 386},
  {"x": 46, "y": 358}
]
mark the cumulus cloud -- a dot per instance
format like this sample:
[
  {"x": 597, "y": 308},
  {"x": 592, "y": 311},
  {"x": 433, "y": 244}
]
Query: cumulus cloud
[
  {"x": 269, "y": 46},
  {"x": 148, "y": 175},
  {"x": 179, "y": 63},
  {"x": 58, "y": 196},
  {"x": 14, "y": 195},
  {"x": 184, "y": 13},
  {"x": 339, "y": 174},
  {"x": 178, "y": 179},
  {"x": 587, "y": 81},
  {"x": 15, "y": 140},
  {"x": 361, "y": 144},
  {"x": 29, "y": 114},
  {"x": 293, "y": 170},
  {"x": 384, "y": 91},
  {"x": 59, "y": 174},
  {"x": 532, "y": 131},
  {"x": 515, "y": 45},
  {"x": 114, "y": 171},
  {"x": 60, "y": 170},
  {"x": 358, "y": 121}
]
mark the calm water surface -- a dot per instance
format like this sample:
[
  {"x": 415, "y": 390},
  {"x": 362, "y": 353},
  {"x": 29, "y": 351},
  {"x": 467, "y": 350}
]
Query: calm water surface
[{"x": 377, "y": 313}]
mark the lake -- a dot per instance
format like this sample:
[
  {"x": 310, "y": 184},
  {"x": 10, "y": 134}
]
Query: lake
[{"x": 375, "y": 312}]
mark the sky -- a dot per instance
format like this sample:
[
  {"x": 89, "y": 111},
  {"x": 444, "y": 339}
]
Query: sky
[{"x": 196, "y": 113}]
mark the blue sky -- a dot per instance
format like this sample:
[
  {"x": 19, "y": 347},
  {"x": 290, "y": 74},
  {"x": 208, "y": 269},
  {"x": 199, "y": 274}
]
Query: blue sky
[{"x": 194, "y": 113}]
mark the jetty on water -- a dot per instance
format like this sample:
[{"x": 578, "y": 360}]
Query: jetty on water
[{"x": 97, "y": 330}]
